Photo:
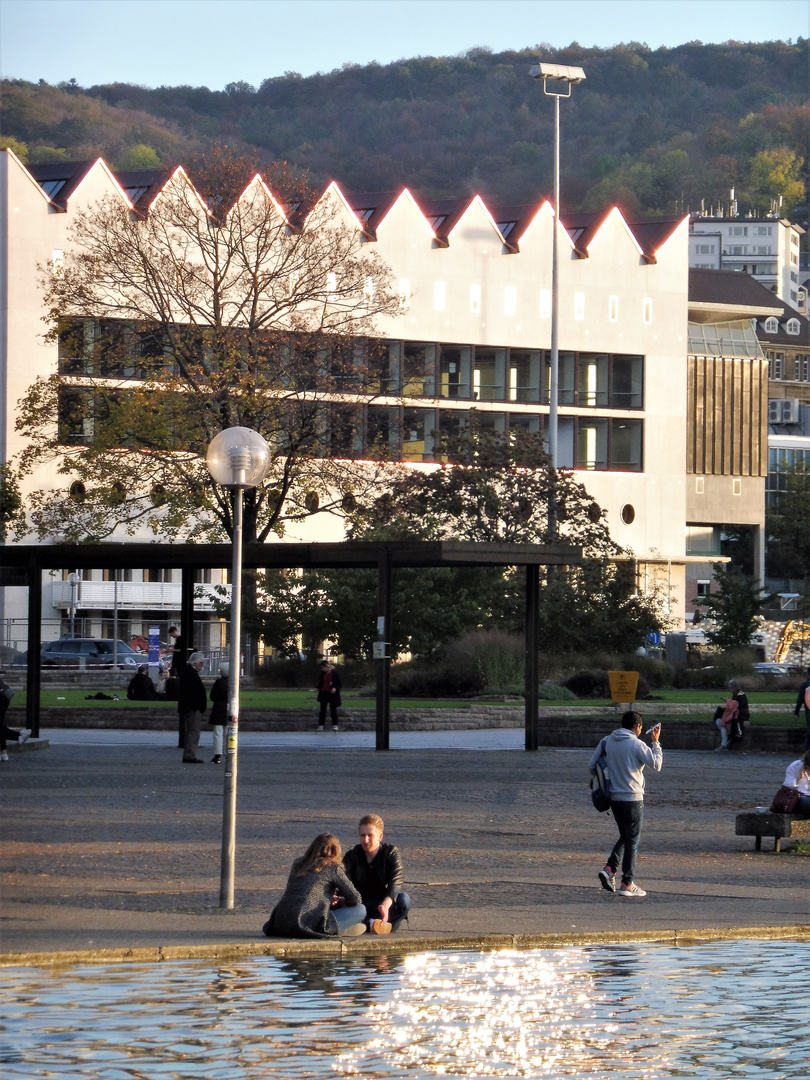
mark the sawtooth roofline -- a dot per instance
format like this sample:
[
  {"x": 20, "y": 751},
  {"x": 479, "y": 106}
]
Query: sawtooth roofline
[{"x": 138, "y": 189}]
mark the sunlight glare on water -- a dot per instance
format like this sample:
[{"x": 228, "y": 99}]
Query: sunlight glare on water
[{"x": 630, "y": 1011}]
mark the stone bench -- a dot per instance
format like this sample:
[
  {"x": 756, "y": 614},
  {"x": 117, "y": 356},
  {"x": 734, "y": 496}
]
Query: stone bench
[{"x": 779, "y": 826}]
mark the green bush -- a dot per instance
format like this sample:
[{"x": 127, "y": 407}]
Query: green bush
[
  {"x": 551, "y": 691},
  {"x": 496, "y": 657}
]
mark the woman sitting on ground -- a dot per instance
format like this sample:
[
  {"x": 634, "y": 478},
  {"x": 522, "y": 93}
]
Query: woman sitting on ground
[
  {"x": 797, "y": 776},
  {"x": 316, "y": 885}
]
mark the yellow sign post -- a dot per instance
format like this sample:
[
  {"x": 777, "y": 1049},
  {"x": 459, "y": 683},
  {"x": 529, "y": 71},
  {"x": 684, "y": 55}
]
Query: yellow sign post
[{"x": 623, "y": 686}]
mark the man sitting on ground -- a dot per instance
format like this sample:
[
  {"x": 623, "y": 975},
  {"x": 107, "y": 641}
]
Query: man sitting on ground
[{"x": 375, "y": 870}]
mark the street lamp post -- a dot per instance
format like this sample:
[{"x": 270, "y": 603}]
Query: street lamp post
[
  {"x": 557, "y": 83},
  {"x": 74, "y": 580},
  {"x": 237, "y": 458}
]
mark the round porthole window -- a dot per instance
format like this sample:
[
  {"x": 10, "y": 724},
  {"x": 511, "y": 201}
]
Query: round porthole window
[
  {"x": 628, "y": 514},
  {"x": 77, "y": 491}
]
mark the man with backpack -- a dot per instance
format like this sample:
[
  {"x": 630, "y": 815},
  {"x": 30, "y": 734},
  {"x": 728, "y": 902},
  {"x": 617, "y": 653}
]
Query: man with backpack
[
  {"x": 626, "y": 755},
  {"x": 803, "y": 701}
]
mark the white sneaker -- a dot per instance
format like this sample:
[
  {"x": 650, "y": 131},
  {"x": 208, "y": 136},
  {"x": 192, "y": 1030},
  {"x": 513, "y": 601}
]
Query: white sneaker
[
  {"x": 24, "y": 735},
  {"x": 320, "y": 729},
  {"x": 4, "y": 756},
  {"x": 630, "y": 890},
  {"x": 335, "y": 727}
]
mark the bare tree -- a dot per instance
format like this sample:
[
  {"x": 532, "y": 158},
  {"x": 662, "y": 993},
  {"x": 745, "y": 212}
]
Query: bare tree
[{"x": 232, "y": 299}]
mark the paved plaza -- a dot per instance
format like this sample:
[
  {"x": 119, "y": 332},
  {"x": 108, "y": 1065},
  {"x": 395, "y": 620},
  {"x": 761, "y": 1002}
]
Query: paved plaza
[{"x": 111, "y": 844}]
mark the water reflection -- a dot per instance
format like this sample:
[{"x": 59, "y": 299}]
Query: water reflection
[{"x": 630, "y": 1011}]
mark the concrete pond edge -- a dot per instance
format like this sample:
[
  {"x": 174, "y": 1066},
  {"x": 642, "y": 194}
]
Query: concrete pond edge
[{"x": 395, "y": 946}]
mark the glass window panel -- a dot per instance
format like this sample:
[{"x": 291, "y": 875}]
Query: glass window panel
[
  {"x": 592, "y": 444},
  {"x": 593, "y": 380},
  {"x": 524, "y": 375},
  {"x": 566, "y": 378},
  {"x": 454, "y": 371},
  {"x": 488, "y": 374},
  {"x": 417, "y": 369},
  {"x": 417, "y": 434},
  {"x": 627, "y": 382},
  {"x": 626, "y": 445}
]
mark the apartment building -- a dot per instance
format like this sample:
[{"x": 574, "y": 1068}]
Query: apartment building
[{"x": 766, "y": 248}]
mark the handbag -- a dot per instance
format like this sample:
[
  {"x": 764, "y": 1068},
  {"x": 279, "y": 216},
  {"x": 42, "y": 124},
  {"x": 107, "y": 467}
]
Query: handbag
[
  {"x": 600, "y": 783},
  {"x": 785, "y": 800},
  {"x": 7, "y": 693}
]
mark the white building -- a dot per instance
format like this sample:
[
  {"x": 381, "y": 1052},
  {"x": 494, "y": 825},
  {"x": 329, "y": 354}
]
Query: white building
[
  {"x": 473, "y": 334},
  {"x": 767, "y": 248}
]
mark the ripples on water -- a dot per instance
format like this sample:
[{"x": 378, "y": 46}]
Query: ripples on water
[{"x": 631, "y": 1011}]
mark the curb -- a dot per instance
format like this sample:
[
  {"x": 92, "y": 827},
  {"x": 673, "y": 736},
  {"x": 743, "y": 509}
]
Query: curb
[{"x": 396, "y": 946}]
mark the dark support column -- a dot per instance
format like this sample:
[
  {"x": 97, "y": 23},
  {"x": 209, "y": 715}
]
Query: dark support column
[
  {"x": 187, "y": 609},
  {"x": 383, "y": 644},
  {"x": 33, "y": 679},
  {"x": 532, "y": 664}
]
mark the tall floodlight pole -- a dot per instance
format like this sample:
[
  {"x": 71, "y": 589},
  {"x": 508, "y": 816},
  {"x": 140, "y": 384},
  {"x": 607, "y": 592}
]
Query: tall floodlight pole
[
  {"x": 557, "y": 83},
  {"x": 237, "y": 458}
]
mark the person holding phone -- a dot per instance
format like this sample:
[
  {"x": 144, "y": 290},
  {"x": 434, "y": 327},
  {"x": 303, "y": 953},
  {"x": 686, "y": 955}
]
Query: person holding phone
[{"x": 627, "y": 757}]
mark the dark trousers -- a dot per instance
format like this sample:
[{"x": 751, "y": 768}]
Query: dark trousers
[
  {"x": 630, "y": 819},
  {"x": 323, "y": 702}
]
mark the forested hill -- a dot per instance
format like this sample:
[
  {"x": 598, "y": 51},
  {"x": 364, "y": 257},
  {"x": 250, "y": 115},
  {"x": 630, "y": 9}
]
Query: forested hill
[{"x": 655, "y": 130}]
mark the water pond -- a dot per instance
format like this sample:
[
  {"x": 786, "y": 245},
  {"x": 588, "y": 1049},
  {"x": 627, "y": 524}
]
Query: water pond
[{"x": 717, "y": 1011}]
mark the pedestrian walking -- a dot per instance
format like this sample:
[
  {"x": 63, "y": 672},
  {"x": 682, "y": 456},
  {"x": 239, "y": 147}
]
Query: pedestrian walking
[
  {"x": 626, "y": 757},
  {"x": 803, "y": 702}
]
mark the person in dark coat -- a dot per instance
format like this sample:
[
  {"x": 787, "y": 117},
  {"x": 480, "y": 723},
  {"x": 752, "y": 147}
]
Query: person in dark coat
[
  {"x": 219, "y": 711},
  {"x": 375, "y": 870},
  {"x": 141, "y": 687},
  {"x": 191, "y": 705},
  {"x": 737, "y": 730},
  {"x": 6, "y": 694},
  {"x": 319, "y": 900},
  {"x": 328, "y": 687}
]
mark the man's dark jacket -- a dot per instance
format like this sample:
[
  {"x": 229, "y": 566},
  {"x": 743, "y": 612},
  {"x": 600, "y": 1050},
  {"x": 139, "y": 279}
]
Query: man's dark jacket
[
  {"x": 192, "y": 692},
  {"x": 386, "y": 866}
]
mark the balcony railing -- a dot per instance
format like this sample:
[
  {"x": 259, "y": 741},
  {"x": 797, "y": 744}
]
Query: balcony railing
[{"x": 135, "y": 595}]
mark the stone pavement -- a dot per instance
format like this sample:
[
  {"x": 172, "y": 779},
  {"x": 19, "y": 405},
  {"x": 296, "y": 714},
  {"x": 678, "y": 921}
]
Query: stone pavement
[{"x": 111, "y": 847}]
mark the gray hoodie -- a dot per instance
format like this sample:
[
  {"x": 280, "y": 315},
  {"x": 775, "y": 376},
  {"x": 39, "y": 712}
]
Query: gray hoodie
[{"x": 626, "y": 757}]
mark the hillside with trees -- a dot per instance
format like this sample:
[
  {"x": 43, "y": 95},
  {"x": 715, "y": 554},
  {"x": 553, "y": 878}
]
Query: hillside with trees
[{"x": 656, "y": 130}]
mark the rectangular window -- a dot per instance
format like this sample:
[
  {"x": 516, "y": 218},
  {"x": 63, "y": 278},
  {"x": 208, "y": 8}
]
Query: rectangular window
[
  {"x": 700, "y": 485},
  {"x": 647, "y": 309},
  {"x": 566, "y": 378},
  {"x": 613, "y": 309},
  {"x": 736, "y": 486},
  {"x": 417, "y": 369},
  {"x": 417, "y": 434},
  {"x": 454, "y": 371},
  {"x": 545, "y": 304},
  {"x": 475, "y": 299},
  {"x": 626, "y": 445},
  {"x": 627, "y": 382},
  {"x": 592, "y": 444},
  {"x": 524, "y": 375},
  {"x": 488, "y": 372},
  {"x": 592, "y": 388}
]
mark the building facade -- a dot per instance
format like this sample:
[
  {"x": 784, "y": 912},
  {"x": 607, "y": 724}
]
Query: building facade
[{"x": 472, "y": 339}]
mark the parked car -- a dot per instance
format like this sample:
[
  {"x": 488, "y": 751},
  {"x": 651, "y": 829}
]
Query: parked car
[
  {"x": 770, "y": 667},
  {"x": 89, "y": 652}
]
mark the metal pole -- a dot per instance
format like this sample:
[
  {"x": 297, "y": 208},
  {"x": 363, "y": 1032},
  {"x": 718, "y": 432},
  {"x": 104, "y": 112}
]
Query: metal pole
[
  {"x": 554, "y": 381},
  {"x": 226, "y": 879}
]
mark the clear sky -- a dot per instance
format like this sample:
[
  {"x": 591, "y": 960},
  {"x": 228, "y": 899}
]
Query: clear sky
[{"x": 215, "y": 42}]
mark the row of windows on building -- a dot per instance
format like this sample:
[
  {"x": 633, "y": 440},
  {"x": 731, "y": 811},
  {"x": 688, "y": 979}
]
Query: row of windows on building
[
  {"x": 791, "y": 368},
  {"x": 110, "y": 349},
  {"x": 782, "y": 461}
]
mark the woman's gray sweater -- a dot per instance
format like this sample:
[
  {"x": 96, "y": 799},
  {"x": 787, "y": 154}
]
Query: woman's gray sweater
[{"x": 305, "y": 908}]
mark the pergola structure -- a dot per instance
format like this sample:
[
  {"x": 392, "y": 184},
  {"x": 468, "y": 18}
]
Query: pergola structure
[{"x": 23, "y": 565}]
